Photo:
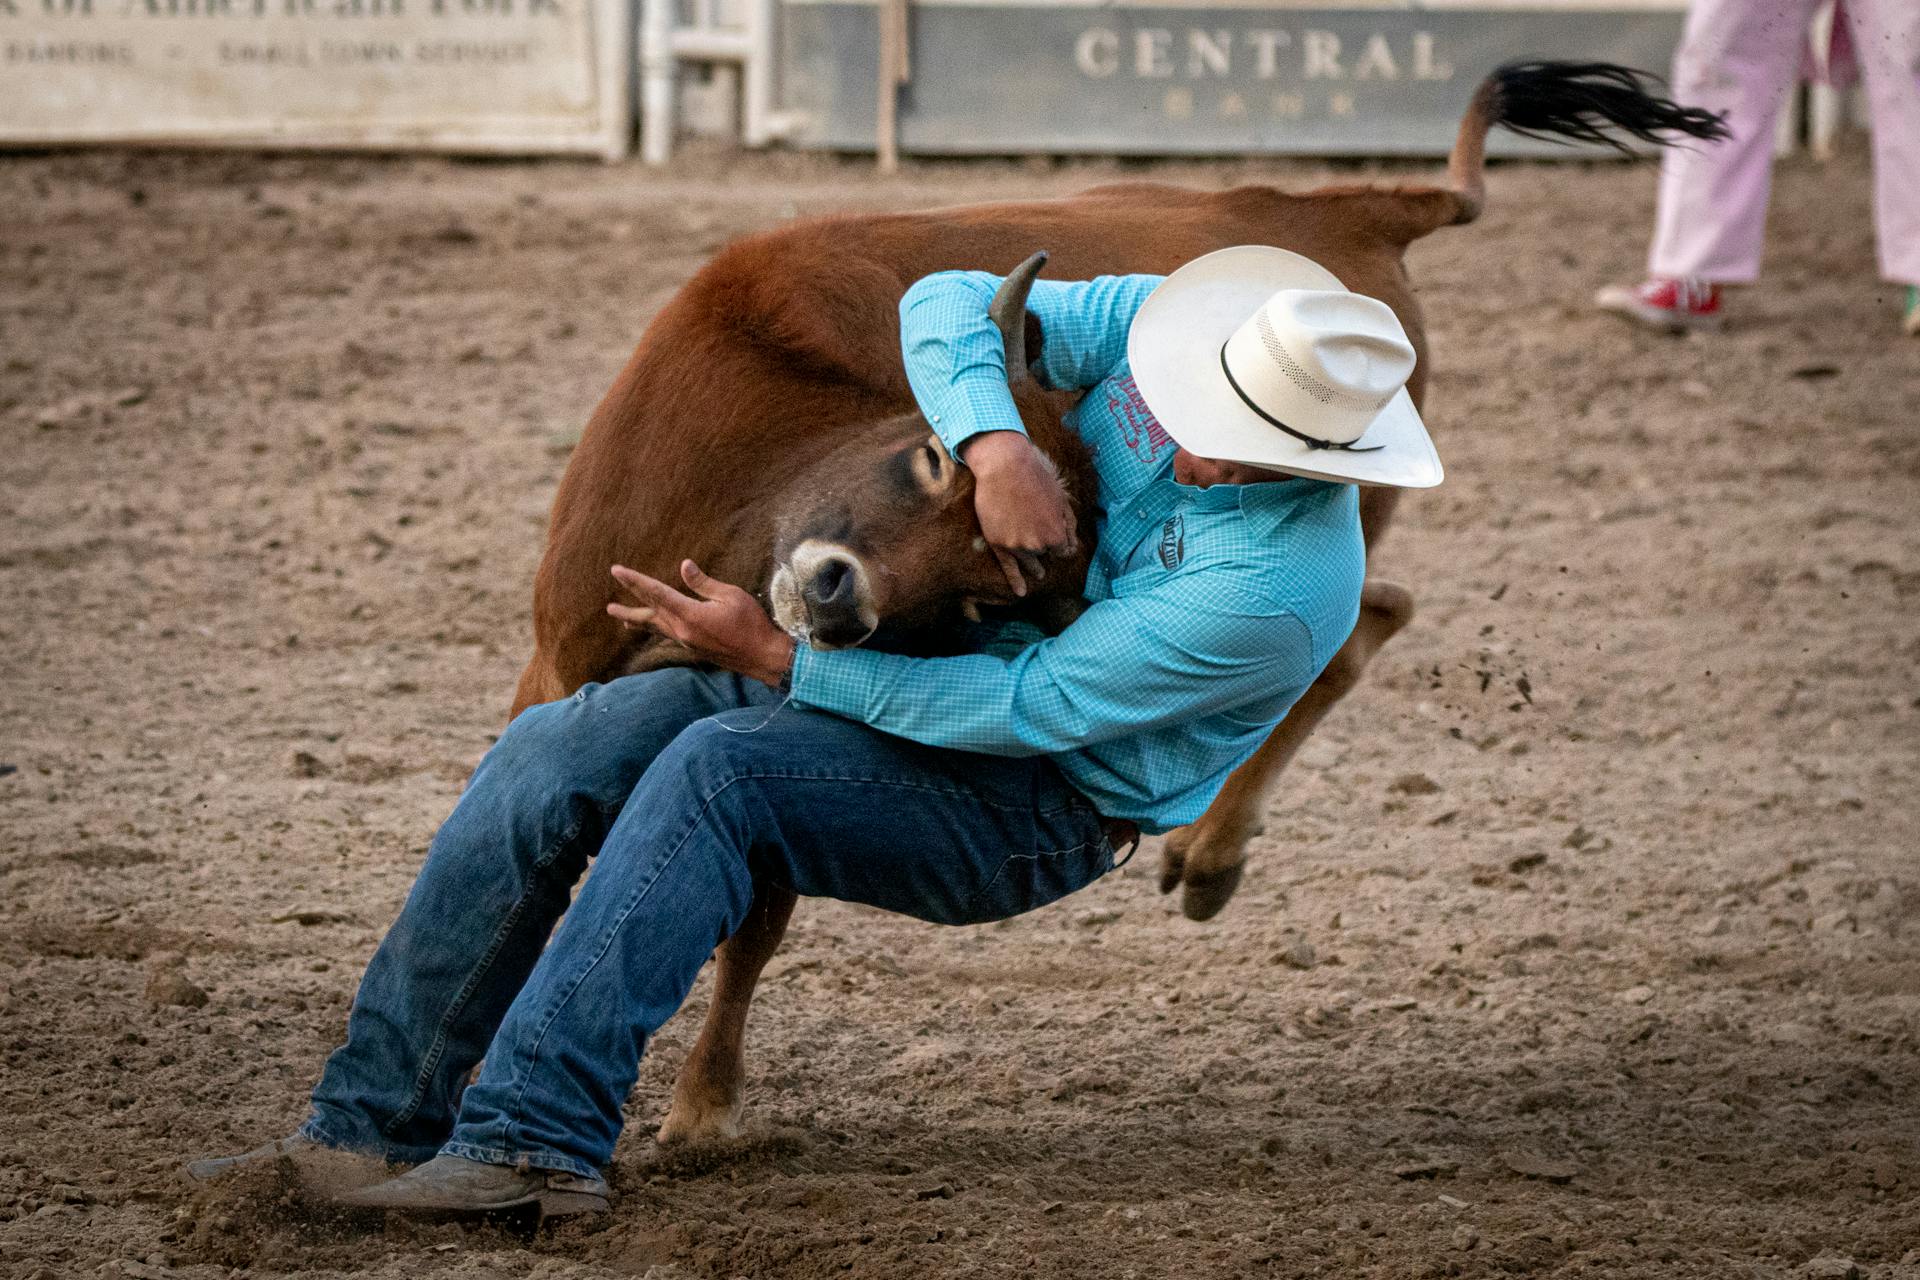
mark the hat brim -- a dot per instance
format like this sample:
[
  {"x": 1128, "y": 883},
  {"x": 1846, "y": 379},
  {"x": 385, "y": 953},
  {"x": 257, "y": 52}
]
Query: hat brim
[{"x": 1174, "y": 350}]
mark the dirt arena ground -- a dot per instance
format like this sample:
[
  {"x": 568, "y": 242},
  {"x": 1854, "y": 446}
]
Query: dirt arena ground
[{"x": 1606, "y": 880}]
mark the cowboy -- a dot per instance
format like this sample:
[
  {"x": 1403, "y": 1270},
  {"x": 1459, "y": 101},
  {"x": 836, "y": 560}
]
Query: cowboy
[{"x": 1237, "y": 402}]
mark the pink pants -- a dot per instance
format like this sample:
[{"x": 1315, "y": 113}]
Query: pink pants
[{"x": 1742, "y": 57}]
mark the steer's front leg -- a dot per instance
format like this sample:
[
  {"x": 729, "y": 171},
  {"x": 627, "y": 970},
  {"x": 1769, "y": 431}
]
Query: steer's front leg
[
  {"x": 710, "y": 1092},
  {"x": 1208, "y": 857}
]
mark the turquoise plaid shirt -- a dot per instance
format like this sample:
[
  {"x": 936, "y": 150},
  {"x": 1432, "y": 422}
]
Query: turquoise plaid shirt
[{"x": 1210, "y": 610}]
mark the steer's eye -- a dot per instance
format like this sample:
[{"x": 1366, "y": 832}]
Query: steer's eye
[{"x": 931, "y": 469}]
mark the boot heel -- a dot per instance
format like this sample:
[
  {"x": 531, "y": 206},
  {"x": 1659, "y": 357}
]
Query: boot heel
[{"x": 564, "y": 1204}]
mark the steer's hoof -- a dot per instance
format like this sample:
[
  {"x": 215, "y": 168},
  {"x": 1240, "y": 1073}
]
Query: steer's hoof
[
  {"x": 694, "y": 1122},
  {"x": 1206, "y": 866},
  {"x": 1206, "y": 892},
  {"x": 1171, "y": 869}
]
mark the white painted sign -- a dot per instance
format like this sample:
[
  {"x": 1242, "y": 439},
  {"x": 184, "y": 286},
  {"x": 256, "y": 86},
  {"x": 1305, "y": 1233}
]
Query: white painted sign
[{"x": 452, "y": 75}]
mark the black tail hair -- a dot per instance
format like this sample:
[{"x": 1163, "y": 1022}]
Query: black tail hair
[{"x": 1594, "y": 102}]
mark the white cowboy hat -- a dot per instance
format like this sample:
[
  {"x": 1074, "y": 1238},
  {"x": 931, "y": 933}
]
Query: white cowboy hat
[{"x": 1260, "y": 356}]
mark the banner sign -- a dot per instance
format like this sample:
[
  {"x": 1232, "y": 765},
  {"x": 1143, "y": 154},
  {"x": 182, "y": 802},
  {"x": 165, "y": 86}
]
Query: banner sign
[
  {"x": 454, "y": 75},
  {"x": 1001, "y": 77}
]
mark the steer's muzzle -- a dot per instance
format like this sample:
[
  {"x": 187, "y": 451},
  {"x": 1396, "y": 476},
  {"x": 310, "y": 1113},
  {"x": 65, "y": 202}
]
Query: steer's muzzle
[
  {"x": 831, "y": 588},
  {"x": 834, "y": 608},
  {"x": 822, "y": 594}
]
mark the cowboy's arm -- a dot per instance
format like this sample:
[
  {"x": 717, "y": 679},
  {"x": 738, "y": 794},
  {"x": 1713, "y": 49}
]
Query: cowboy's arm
[
  {"x": 957, "y": 361},
  {"x": 1125, "y": 666}
]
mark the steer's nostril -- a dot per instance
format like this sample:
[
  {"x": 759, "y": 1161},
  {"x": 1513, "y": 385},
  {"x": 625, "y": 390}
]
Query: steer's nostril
[{"x": 833, "y": 583}]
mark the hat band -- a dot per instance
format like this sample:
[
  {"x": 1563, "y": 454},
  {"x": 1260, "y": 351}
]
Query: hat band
[{"x": 1312, "y": 442}]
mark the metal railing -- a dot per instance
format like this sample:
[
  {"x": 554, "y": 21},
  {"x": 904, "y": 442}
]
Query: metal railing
[{"x": 739, "y": 33}]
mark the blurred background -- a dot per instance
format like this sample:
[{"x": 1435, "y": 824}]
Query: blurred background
[{"x": 913, "y": 77}]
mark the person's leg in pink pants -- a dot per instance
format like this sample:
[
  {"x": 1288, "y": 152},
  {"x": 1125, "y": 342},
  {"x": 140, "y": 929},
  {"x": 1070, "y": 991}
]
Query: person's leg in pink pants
[
  {"x": 1742, "y": 57},
  {"x": 1886, "y": 39}
]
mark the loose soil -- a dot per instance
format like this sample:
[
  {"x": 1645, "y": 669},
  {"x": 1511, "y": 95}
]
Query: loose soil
[{"x": 1580, "y": 942}]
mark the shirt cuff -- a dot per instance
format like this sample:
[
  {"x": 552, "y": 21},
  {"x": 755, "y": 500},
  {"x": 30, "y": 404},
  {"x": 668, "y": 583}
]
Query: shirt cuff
[
  {"x": 836, "y": 681},
  {"x": 970, "y": 408}
]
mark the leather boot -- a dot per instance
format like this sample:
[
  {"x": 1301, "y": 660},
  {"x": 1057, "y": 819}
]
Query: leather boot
[
  {"x": 449, "y": 1184},
  {"x": 320, "y": 1169}
]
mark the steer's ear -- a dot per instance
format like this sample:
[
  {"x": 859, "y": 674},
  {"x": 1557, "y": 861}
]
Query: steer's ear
[{"x": 1036, "y": 342}]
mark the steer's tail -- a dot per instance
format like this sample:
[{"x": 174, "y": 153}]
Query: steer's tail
[{"x": 1597, "y": 102}]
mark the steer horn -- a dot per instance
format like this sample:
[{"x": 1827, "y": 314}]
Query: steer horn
[{"x": 1009, "y": 311}]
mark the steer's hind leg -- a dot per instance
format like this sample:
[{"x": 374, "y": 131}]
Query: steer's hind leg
[
  {"x": 1207, "y": 857},
  {"x": 709, "y": 1094}
]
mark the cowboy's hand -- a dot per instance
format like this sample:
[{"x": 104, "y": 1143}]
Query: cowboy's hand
[
  {"x": 720, "y": 622},
  {"x": 1023, "y": 510}
]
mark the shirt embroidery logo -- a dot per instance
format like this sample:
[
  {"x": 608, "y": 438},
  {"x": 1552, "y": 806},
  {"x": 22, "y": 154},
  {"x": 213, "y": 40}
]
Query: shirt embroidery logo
[
  {"x": 1173, "y": 542},
  {"x": 1141, "y": 430}
]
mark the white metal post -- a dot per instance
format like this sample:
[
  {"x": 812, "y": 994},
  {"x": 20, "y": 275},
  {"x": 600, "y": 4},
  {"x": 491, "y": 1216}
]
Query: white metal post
[
  {"x": 1823, "y": 100},
  {"x": 757, "y": 95},
  {"x": 1823, "y": 119},
  {"x": 658, "y": 68}
]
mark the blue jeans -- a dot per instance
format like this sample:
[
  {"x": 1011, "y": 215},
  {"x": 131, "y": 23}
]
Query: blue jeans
[{"x": 688, "y": 789}]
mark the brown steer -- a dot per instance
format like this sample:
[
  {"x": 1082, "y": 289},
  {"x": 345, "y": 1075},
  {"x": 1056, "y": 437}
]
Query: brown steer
[{"x": 767, "y": 402}]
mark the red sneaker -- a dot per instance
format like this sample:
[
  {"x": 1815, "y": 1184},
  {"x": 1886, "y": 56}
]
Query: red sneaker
[{"x": 1671, "y": 305}]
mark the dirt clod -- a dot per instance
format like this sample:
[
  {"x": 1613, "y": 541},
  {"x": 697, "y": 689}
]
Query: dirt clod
[
  {"x": 1300, "y": 955},
  {"x": 311, "y": 916},
  {"x": 168, "y": 984},
  {"x": 1414, "y": 1170},
  {"x": 1531, "y": 1164},
  {"x": 305, "y": 764},
  {"x": 1832, "y": 1268}
]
